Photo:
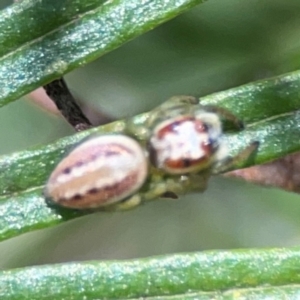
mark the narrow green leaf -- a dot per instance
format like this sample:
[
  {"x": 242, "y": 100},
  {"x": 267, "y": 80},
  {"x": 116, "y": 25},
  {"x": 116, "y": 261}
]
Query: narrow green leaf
[
  {"x": 49, "y": 38},
  {"x": 28, "y": 211},
  {"x": 262, "y": 99},
  {"x": 258, "y": 274},
  {"x": 30, "y": 19},
  {"x": 23, "y": 174}
]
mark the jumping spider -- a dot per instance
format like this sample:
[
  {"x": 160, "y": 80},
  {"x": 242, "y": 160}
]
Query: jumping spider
[{"x": 181, "y": 141}]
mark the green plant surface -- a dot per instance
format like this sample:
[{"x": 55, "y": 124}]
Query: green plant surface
[
  {"x": 23, "y": 174},
  {"x": 254, "y": 274},
  {"x": 42, "y": 50}
]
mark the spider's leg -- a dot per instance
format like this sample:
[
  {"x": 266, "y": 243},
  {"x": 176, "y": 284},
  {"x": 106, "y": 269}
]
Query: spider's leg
[
  {"x": 227, "y": 163},
  {"x": 226, "y": 115}
]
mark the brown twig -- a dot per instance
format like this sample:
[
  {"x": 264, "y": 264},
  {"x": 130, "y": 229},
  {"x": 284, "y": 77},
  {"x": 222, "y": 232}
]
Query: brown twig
[
  {"x": 58, "y": 91},
  {"x": 283, "y": 173}
]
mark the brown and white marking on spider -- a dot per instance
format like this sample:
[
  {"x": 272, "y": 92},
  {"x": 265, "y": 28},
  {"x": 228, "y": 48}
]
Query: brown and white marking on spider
[
  {"x": 100, "y": 171},
  {"x": 186, "y": 143}
]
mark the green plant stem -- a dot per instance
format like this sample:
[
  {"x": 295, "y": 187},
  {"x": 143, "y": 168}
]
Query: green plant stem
[
  {"x": 225, "y": 274},
  {"x": 43, "y": 40}
]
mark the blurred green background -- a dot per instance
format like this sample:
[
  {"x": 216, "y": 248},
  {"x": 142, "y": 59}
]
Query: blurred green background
[{"x": 218, "y": 45}]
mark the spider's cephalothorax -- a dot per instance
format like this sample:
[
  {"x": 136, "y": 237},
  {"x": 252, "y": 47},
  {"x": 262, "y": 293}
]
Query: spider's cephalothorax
[{"x": 187, "y": 137}]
